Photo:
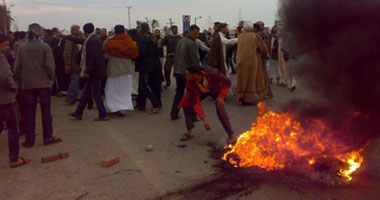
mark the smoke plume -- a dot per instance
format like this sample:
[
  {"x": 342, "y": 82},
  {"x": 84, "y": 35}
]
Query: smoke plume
[{"x": 339, "y": 41}]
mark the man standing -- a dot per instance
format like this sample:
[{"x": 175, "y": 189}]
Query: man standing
[
  {"x": 72, "y": 65},
  {"x": 35, "y": 74},
  {"x": 120, "y": 49},
  {"x": 187, "y": 54},
  {"x": 93, "y": 66},
  {"x": 170, "y": 42},
  {"x": 8, "y": 108},
  {"x": 158, "y": 42},
  {"x": 252, "y": 78},
  {"x": 200, "y": 85},
  {"x": 217, "y": 56}
]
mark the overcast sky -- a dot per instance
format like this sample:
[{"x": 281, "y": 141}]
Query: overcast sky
[{"x": 107, "y": 13}]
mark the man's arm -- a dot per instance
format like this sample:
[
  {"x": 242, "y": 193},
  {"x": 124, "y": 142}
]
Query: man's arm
[
  {"x": 75, "y": 39},
  {"x": 18, "y": 66},
  {"x": 49, "y": 63},
  {"x": 226, "y": 41},
  {"x": 6, "y": 76},
  {"x": 203, "y": 47},
  {"x": 262, "y": 47}
]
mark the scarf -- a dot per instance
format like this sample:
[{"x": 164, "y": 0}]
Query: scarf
[
  {"x": 83, "y": 60},
  {"x": 121, "y": 45}
]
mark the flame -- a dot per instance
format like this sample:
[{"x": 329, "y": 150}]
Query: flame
[{"x": 278, "y": 141}]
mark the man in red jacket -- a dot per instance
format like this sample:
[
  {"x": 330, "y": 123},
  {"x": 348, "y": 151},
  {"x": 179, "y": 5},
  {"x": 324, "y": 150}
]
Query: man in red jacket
[{"x": 201, "y": 84}]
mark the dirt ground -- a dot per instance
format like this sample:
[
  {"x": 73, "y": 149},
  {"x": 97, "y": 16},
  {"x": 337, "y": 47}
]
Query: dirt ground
[{"x": 174, "y": 170}]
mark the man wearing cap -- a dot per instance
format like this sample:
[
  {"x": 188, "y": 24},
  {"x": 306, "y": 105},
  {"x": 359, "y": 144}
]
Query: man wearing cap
[
  {"x": 35, "y": 70},
  {"x": 217, "y": 55}
]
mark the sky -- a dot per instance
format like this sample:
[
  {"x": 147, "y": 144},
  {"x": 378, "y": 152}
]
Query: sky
[{"x": 108, "y": 13}]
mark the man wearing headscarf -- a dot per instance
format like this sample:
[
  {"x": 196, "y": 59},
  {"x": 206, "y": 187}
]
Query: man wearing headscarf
[
  {"x": 120, "y": 50},
  {"x": 35, "y": 70},
  {"x": 252, "y": 78}
]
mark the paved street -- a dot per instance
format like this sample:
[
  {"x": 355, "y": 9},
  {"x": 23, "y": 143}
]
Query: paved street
[{"x": 168, "y": 172}]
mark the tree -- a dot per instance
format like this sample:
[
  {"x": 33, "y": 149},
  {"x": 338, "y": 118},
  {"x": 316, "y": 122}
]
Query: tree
[
  {"x": 5, "y": 20},
  {"x": 155, "y": 24}
]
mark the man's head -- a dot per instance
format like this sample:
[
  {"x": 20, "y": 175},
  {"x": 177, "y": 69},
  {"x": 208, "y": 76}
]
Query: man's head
[
  {"x": 256, "y": 28},
  {"x": 103, "y": 32},
  {"x": 174, "y": 29},
  {"x": 97, "y": 30},
  {"x": 157, "y": 33},
  {"x": 262, "y": 25},
  {"x": 88, "y": 29},
  {"x": 4, "y": 42},
  {"x": 11, "y": 35},
  {"x": 274, "y": 30},
  {"x": 223, "y": 27},
  {"x": 35, "y": 30},
  {"x": 216, "y": 24},
  {"x": 143, "y": 29},
  {"x": 194, "y": 31},
  {"x": 119, "y": 29},
  {"x": 55, "y": 31},
  {"x": 208, "y": 35},
  {"x": 194, "y": 73},
  {"x": 75, "y": 30}
]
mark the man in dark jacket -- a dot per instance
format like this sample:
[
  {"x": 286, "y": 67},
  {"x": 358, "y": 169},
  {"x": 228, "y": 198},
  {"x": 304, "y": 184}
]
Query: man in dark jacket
[
  {"x": 93, "y": 67},
  {"x": 149, "y": 66},
  {"x": 201, "y": 84},
  {"x": 170, "y": 42},
  {"x": 7, "y": 106},
  {"x": 186, "y": 55}
]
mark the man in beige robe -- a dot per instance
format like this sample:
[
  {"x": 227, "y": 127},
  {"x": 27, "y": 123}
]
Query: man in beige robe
[{"x": 252, "y": 78}]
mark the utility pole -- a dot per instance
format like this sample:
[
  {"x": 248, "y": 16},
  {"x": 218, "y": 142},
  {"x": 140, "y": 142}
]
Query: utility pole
[
  {"x": 5, "y": 18},
  {"x": 129, "y": 16},
  {"x": 239, "y": 15},
  {"x": 170, "y": 22}
]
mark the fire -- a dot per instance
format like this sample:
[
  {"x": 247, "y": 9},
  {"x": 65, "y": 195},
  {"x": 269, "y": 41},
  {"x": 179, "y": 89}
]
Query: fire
[{"x": 278, "y": 141}]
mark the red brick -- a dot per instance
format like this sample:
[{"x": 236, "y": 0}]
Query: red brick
[
  {"x": 50, "y": 158},
  {"x": 107, "y": 162},
  {"x": 64, "y": 155}
]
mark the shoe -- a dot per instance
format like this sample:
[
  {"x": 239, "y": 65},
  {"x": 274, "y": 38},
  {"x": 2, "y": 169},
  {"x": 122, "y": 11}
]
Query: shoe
[
  {"x": 292, "y": 89},
  {"x": 75, "y": 116},
  {"x": 53, "y": 140},
  {"x": 175, "y": 118},
  {"x": 28, "y": 145},
  {"x": 117, "y": 114},
  {"x": 102, "y": 119}
]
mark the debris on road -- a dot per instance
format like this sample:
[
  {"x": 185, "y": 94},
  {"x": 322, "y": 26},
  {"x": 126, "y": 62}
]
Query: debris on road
[
  {"x": 55, "y": 157},
  {"x": 108, "y": 162},
  {"x": 149, "y": 148},
  {"x": 182, "y": 146}
]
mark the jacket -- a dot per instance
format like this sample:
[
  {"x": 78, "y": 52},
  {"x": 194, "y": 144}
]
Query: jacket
[
  {"x": 95, "y": 60},
  {"x": 7, "y": 83},
  {"x": 218, "y": 85},
  {"x": 148, "y": 60},
  {"x": 121, "y": 45},
  {"x": 70, "y": 56},
  {"x": 187, "y": 55},
  {"x": 170, "y": 42},
  {"x": 117, "y": 66},
  {"x": 34, "y": 66}
]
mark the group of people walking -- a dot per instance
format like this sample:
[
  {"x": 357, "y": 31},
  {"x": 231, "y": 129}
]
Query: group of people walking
[{"x": 111, "y": 68}]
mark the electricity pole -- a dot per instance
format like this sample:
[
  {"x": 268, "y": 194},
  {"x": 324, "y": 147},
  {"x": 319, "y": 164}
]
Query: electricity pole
[
  {"x": 5, "y": 18},
  {"x": 129, "y": 16}
]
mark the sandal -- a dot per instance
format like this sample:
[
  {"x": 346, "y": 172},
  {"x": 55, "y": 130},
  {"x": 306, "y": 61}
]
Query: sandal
[
  {"x": 186, "y": 137},
  {"x": 154, "y": 111},
  {"x": 17, "y": 164},
  {"x": 53, "y": 140},
  {"x": 75, "y": 116},
  {"x": 102, "y": 119}
]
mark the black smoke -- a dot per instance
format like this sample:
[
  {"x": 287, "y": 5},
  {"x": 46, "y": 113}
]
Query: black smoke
[{"x": 339, "y": 42}]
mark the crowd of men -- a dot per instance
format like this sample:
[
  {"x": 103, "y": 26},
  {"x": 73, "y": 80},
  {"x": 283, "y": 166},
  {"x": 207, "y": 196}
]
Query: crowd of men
[{"x": 116, "y": 67}]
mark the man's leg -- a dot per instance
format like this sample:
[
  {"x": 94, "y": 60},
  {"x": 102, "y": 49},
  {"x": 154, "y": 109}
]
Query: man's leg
[
  {"x": 189, "y": 113},
  {"x": 21, "y": 103},
  {"x": 72, "y": 94},
  {"x": 148, "y": 92},
  {"x": 31, "y": 105},
  {"x": 97, "y": 93},
  {"x": 180, "y": 91},
  {"x": 224, "y": 119},
  {"x": 168, "y": 70},
  {"x": 84, "y": 99},
  {"x": 47, "y": 120},
  {"x": 8, "y": 114}
]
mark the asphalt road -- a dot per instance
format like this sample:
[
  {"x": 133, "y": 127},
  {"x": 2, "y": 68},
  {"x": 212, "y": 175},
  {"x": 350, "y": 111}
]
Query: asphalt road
[{"x": 174, "y": 170}]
